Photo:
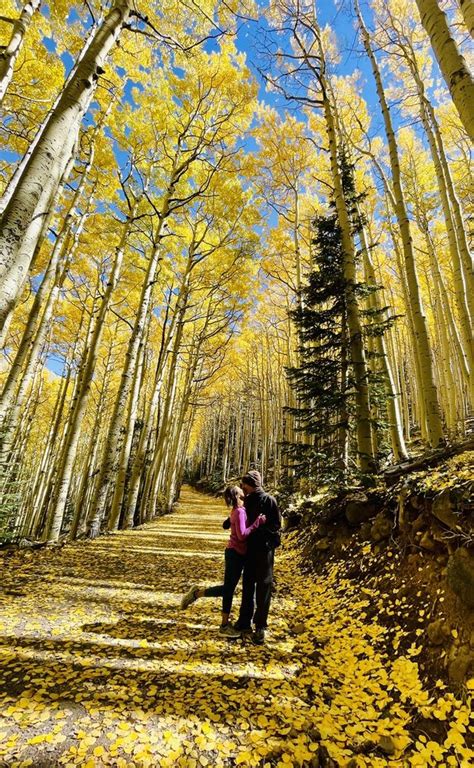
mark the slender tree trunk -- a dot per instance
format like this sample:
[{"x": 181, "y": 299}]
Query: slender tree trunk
[
  {"x": 79, "y": 403},
  {"x": 151, "y": 410},
  {"x": 46, "y": 467},
  {"x": 392, "y": 402},
  {"x": 358, "y": 361},
  {"x": 467, "y": 10},
  {"x": 422, "y": 349},
  {"x": 22, "y": 219},
  {"x": 39, "y": 318},
  {"x": 112, "y": 445},
  {"x": 128, "y": 429},
  {"x": 9, "y": 54},
  {"x": 463, "y": 282},
  {"x": 79, "y": 517},
  {"x": 451, "y": 62}
]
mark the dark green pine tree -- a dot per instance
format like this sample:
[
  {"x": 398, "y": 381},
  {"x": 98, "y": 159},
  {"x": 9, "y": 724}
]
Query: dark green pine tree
[{"x": 322, "y": 380}]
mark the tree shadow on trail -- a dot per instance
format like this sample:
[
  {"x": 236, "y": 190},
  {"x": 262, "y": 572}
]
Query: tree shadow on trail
[{"x": 99, "y": 678}]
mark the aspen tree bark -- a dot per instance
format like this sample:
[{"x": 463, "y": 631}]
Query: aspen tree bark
[
  {"x": 422, "y": 349},
  {"x": 451, "y": 63},
  {"x": 29, "y": 353},
  {"x": 393, "y": 408},
  {"x": 467, "y": 10},
  {"x": 150, "y": 417},
  {"x": 460, "y": 225},
  {"x": 9, "y": 54},
  {"x": 39, "y": 317},
  {"x": 128, "y": 428},
  {"x": 42, "y": 483},
  {"x": 458, "y": 248},
  {"x": 168, "y": 485},
  {"x": 21, "y": 221},
  {"x": 168, "y": 407},
  {"x": 444, "y": 348},
  {"x": 358, "y": 361},
  {"x": 80, "y": 399},
  {"x": 441, "y": 299},
  {"x": 418, "y": 400},
  {"x": 112, "y": 445},
  {"x": 78, "y": 519}
]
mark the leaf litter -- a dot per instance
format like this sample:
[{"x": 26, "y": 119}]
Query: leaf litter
[{"x": 99, "y": 667}]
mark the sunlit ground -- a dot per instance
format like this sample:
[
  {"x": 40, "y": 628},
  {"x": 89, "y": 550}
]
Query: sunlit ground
[{"x": 101, "y": 667}]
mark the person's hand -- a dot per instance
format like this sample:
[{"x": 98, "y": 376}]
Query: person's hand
[
  {"x": 226, "y": 524},
  {"x": 262, "y": 519}
]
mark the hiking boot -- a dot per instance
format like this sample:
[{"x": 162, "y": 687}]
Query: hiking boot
[
  {"x": 258, "y": 637},
  {"x": 244, "y": 631},
  {"x": 227, "y": 630},
  {"x": 189, "y": 597}
]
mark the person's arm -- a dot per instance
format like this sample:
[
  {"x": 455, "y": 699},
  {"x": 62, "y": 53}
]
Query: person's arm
[{"x": 241, "y": 528}]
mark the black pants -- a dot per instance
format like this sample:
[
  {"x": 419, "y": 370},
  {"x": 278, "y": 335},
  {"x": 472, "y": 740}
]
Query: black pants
[
  {"x": 257, "y": 588},
  {"x": 234, "y": 564}
]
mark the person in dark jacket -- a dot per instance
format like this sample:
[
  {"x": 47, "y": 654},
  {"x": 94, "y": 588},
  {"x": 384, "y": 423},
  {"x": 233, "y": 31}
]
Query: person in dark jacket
[{"x": 257, "y": 580}]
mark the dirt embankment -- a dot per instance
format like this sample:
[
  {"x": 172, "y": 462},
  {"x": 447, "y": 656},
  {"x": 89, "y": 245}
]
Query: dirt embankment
[{"x": 411, "y": 548}]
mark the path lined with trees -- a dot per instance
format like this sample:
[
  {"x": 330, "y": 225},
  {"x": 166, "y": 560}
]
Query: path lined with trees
[
  {"x": 162, "y": 235},
  {"x": 100, "y": 667}
]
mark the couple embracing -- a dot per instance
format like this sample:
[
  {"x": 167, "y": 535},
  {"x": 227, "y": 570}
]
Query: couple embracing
[{"x": 254, "y": 523}]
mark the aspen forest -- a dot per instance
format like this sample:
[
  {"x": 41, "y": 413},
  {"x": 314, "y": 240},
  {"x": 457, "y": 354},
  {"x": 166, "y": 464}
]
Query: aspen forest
[{"x": 236, "y": 237}]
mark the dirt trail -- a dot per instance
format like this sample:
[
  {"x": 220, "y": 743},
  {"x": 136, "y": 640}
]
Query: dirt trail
[{"x": 99, "y": 667}]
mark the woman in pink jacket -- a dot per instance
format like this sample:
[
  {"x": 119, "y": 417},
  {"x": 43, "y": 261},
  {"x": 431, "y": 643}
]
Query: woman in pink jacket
[{"x": 234, "y": 560}]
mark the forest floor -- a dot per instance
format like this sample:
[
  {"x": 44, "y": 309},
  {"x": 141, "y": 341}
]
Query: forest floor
[{"x": 100, "y": 667}]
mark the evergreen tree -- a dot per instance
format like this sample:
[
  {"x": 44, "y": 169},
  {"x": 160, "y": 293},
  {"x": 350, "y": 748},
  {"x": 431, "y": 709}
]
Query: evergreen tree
[
  {"x": 323, "y": 380},
  {"x": 320, "y": 380}
]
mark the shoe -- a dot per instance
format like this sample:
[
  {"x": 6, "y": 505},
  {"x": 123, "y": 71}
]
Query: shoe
[
  {"x": 189, "y": 598},
  {"x": 244, "y": 632},
  {"x": 258, "y": 637},
  {"x": 227, "y": 630}
]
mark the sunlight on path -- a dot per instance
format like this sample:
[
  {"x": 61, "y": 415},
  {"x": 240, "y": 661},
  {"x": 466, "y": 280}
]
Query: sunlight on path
[{"x": 100, "y": 667}]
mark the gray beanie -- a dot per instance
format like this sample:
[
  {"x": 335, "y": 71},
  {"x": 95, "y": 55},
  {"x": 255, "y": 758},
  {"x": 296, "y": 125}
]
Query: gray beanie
[{"x": 253, "y": 477}]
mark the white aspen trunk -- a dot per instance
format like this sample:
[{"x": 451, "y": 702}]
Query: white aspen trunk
[
  {"x": 5, "y": 329},
  {"x": 38, "y": 322},
  {"x": 467, "y": 10},
  {"x": 393, "y": 406},
  {"x": 12, "y": 184},
  {"x": 456, "y": 238},
  {"x": 451, "y": 63},
  {"x": 418, "y": 402},
  {"x": 139, "y": 460},
  {"x": 78, "y": 520},
  {"x": 455, "y": 344},
  {"x": 128, "y": 427},
  {"x": 22, "y": 219},
  {"x": 151, "y": 410},
  {"x": 445, "y": 360},
  {"x": 358, "y": 362},
  {"x": 80, "y": 399},
  {"x": 112, "y": 444},
  {"x": 10, "y": 53},
  {"x": 46, "y": 466},
  {"x": 422, "y": 347},
  {"x": 56, "y": 497},
  {"x": 460, "y": 225},
  {"x": 168, "y": 407}
]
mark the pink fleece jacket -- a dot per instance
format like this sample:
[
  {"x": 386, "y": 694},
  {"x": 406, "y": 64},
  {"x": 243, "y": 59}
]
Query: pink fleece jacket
[{"x": 239, "y": 531}]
